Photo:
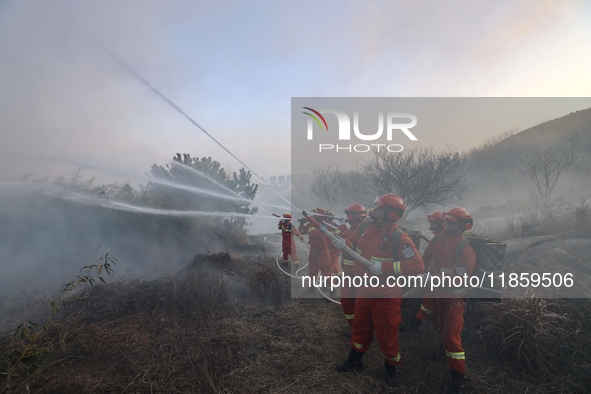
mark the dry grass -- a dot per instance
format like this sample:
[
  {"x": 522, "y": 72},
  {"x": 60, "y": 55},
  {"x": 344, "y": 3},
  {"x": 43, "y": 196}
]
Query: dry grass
[
  {"x": 226, "y": 324},
  {"x": 547, "y": 338},
  {"x": 540, "y": 336},
  {"x": 570, "y": 221}
]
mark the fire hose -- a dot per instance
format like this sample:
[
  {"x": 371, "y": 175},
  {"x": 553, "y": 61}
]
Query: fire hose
[
  {"x": 336, "y": 238},
  {"x": 296, "y": 276},
  {"x": 328, "y": 216},
  {"x": 416, "y": 292}
]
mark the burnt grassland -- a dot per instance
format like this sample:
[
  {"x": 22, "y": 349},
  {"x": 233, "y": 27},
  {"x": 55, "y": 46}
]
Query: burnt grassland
[{"x": 226, "y": 323}]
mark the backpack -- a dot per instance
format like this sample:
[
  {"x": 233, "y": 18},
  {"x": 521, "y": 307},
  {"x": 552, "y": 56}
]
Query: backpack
[
  {"x": 490, "y": 257},
  {"x": 414, "y": 235}
]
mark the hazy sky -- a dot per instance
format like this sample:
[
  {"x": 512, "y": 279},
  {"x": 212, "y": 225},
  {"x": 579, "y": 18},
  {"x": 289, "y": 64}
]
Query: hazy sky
[{"x": 234, "y": 66}]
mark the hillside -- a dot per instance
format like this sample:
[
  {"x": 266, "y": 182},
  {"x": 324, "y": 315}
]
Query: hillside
[
  {"x": 555, "y": 131},
  {"x": 494, "y": 171}
]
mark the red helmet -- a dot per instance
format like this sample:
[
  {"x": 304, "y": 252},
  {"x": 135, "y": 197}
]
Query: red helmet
[
  {"x": 319, "y": 213},
  {"x": 391, "y": 203},
  {"x": 435, "y": 217},
  {"x": 355, "y": 212},
  {"x": 355, "y": 209},
  {"x": 287, "y": 215},
  {"x": 459, "y": 215}
]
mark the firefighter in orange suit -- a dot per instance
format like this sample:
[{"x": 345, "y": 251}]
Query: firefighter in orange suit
[
  {"x": 448, "y": 304},
  {"x": 437, "y": 227},
  {"x": 356, "y": 213},
  {"x": 378, "y": 308},
  {"x": 288, "y": 247},
  {"x": 319, "y": 257}
]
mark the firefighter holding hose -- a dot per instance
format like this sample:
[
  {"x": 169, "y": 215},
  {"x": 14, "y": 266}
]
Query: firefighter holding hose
[
  {"x": 392, "y": 253},
  {"x": 288, "y": 246},
  {"x": 319, "y": 258}
]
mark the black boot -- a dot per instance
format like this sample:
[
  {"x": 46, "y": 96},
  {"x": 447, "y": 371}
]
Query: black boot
[
  {"x": 457, "y": 383},
  {"x": 353, "y": 363},
  {"x": 391, "y": 375}
]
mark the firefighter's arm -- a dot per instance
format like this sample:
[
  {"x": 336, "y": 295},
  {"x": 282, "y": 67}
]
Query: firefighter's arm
[
  {"x": 297, "y": 233},
  {"x": 345, "y": 241},
  {"x": 303, "y": 228},
  {"x": 351, "y": 240},
  {"x": 310, "y": 229},
  {"x": 348, "y": 261},
  {"x": 410, "y": 261},
  {"x": 314, "y": 232}
]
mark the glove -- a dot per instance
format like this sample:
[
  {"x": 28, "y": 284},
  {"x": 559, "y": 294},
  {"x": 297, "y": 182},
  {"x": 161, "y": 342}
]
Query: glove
[
  {"x": 376, "y": 268},
  {"x": 301, "y": 237},
  {"x": 339, "y": 244}
]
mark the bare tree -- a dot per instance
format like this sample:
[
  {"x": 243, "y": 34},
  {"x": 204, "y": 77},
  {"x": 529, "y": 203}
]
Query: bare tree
[
  {"x": 421, "y": 176},
  {"x": 544, "y": 166},
  {"x": 327, "y": 183},
  {"x": 339, "y": 187}
]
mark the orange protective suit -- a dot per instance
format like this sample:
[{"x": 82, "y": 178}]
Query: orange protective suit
[
  {"x": 347, "y": 292},
  {"x": 447, "y": 304},
  {"x": 288, "y": 247},
  {"x": 319, "y": 258},
  {"x": 378, "y": 308},
  {"x": 427, "y": 305},
  {"x": 335, "y": 255}
]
